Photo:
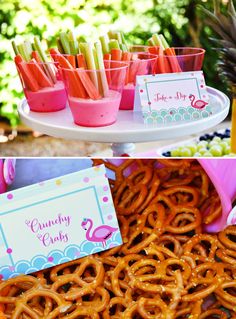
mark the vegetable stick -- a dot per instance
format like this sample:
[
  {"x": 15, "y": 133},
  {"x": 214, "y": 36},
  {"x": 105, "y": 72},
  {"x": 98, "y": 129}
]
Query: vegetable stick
[
  {"x": 161, "y": 66},
  {"x": 65, "y": 42},
  {"x": 100, "y": 89},
  {"x": 153, "y": 50},
  {"x": 41, "y": 77},
  {"x": 71, "y": 59},
  {"x": 126, "y": 56},
  {"x": 116, "y": 55},
  {"x": 175, "y": 68},
  {"x": 28, "y": 47},
  {"x": 91, "y": 63},
  {"x": 151, "y": 42},
  {"x": 36, "y": 56},
  {"x": 73, "y": 44},
  {"x": 21, "y": 49},
  {"x": 101, "y": 67},
  {"x": 104, "y": 42},
  {"x": 163, "y": 41},
  {"x": 107, "y": 64},
  {"x": 157, "y": 40},
  {"x": 113, "y": 44},
  {"x": 59, "y": 45},
  {"x": 28, "y": 78},
  {"x": 124, "y": 41},
  {"x": 88, "y": 84},
  {"x": 43, "y": 57},
  {"x": 82, "y": 48},
  {"x": 81, "y": 61},
  {"x": 134, "y": 66},
  {"x": 75, "y": 88},
  {"x": 16, "y": 51}
]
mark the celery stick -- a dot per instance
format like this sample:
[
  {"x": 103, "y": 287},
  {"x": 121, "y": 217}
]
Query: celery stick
[
  {"x": 104, "y": 42},
  {"x": 33, "y": 47},
  {"x": 164, "y": 42},
  {"x": 101, "y": 67},
  {"x": 123, "y": 47},
  {"x": 91, "y": 63},
  {"x": 14, "y": 46},
  {"x": 47, "y": 67},
  {"x": 65, "y": 42},
  {"x": 111, "y": 34},
  {"x": 82, "y": 48},
  {"x": 73, "y": 44},
  {"x": 151, "y": 43},
  {"x": 117, "y": 36},
  {"x": 113, "y": 44},
  {"x": 59, "y": 46},
  {"x": 123, "y": 39},
  {"x": 157, "y": 40},
  {"x": 23, "y": 52},
  {"x": 98, "y": 73},
  {"x": 28, "y": 47}
]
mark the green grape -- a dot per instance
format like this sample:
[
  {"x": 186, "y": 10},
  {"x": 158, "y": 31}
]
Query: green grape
[
  {"x": 175, "y": 152},
  {"x": 202, "y": 144},
  {"x": 224, "y": 145},
  {"x": 227, "y": 140},
  {"x": 203, "y": 150},
  {"x": 216, "y": 150},
  {"x": 227, "y": 149},
  {"x": 207, "y": 154},
  {"x": 211, "y": 143},
  {"x": 216, "y": 138},
  {"x": 192, "y": 147},
  {"x": 185, "y": 152},
  {"x": 197, "y": 154}
]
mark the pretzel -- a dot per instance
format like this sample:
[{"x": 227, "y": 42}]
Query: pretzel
[{"x": 166, "y": 268}]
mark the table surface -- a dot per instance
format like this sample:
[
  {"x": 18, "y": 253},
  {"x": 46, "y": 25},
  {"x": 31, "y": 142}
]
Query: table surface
[{"x": 129, "y": 127}]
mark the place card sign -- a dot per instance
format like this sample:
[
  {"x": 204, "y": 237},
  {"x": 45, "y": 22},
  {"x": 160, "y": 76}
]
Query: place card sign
[
  {"x": 172, "y": 97},
  {"x": 56, "y": 221}
]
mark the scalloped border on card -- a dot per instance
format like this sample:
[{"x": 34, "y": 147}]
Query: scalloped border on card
[
  {"x": 56, "y": 221},
  {"x": 172, "y": 97}
]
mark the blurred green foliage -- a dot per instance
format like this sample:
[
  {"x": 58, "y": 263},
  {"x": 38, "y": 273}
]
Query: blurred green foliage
[{"x": 179, "y": 20}]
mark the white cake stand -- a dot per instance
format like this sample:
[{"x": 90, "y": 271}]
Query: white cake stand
[{"x": 128, "y": 129}]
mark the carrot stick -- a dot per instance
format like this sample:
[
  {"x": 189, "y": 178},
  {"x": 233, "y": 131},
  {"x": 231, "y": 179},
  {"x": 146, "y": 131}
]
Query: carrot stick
[
  {"x": 71, "y": 59},
  {"x": 173, "y": 60},
  {"x": 81, "y": 61},
  {"x": 88, "y": 84},
  {"x": 41, "y": 77},
  {"x": 107, "y": 64},
  {"x": 75, "y": 88},
  {"x": 29, "y": 80},
  {"x": 153, "y": 50},
  {"x": 126, "y": 57},
  {"x": 116, "y": 55},
  {"x": 133, "y": 70},
  {"x": 161, "y": 63}
]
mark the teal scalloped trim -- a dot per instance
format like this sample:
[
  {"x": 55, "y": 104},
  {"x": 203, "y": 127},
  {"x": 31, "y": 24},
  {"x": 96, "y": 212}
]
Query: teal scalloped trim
[{"x": 180, "y": 114}]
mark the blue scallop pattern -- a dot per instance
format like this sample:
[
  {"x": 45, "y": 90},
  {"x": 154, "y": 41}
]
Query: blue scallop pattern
[{"x": 70, "y": 253}]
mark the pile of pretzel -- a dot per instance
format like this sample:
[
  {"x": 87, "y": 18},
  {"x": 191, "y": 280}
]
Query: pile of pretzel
[{"x": 166, "y": 268}]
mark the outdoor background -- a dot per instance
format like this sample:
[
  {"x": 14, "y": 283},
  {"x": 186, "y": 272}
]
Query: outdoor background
[{"x": 179, "y": 20}]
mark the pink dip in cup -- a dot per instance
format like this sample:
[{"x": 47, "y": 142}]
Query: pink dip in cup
[
  {"x": 50, "y": 99},
  {"x": 127, "y": 99},
  {"x": 95, "y": 113}
]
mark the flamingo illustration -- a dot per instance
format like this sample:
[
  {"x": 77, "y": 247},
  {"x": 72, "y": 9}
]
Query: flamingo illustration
[
  {"x": 198, "y": 104},
  {"x": 99, "y": 234}
]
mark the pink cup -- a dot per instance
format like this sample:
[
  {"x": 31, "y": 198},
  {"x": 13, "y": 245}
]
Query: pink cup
[
  {"x": 101, "y": 107},
  {"x": 186, "y": 59},
  {"x": 47, "y": 94},
  {"x": 223, "y": 176},
  {"x": 141, "y": 64}
]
